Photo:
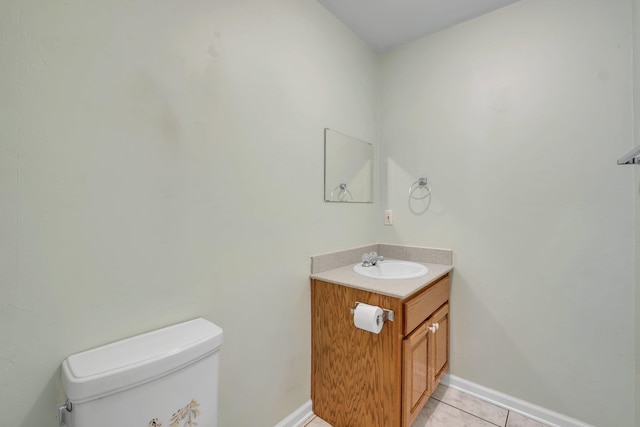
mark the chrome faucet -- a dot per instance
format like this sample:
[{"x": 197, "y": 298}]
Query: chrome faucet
[{"x": 371, "y": 259}]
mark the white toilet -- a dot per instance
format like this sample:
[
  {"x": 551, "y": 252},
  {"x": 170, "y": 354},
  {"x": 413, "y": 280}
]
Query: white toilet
[{"x": 168, "y": 377}]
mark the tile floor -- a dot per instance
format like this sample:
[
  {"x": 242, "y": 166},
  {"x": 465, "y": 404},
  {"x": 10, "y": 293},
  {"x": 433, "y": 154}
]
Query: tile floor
[{"x": 449, "y": 407}]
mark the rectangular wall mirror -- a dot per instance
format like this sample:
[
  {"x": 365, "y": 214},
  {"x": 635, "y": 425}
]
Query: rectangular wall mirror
[{"x": 348, "y": 168}]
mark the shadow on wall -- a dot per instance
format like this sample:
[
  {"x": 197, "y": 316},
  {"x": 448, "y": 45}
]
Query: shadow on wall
[
  {"x": 468, "y": 305},
  {"x": 398, "y": 195},
  {"x": 51, "y": 392}
]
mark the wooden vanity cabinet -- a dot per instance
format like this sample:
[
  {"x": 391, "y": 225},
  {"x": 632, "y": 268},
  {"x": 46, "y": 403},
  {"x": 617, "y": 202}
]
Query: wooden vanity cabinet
[
  {"x": 377, "y": 380},
  {"x": 425, "y": 353}
]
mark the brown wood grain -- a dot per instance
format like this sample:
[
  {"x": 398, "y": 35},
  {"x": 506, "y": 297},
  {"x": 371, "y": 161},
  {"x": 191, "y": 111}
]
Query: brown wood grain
[
  {"x": 355, "y": 374},
  {"x": 416, "y": 380},
  {"x": 361, "y": 379},
  {"x": 418, "y": 308},
  {"x": 440, "y": 347}
]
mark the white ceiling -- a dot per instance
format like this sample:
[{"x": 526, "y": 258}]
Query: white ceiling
[{"x": 384, "y": 24}]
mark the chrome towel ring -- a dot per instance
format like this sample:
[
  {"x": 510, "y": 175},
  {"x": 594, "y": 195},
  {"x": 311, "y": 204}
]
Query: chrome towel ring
[
  {"x": 423, "y": 185},
  {"x": 342, "y": 193}
]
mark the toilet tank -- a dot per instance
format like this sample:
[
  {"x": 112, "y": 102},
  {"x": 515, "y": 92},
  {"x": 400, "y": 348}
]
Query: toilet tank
[{"x": 167, "y": 377}]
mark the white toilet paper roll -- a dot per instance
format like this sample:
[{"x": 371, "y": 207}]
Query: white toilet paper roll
[{"x": 368, "y": 317}]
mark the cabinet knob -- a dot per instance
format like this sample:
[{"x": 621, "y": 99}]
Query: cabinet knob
[
  {"x": 432, "y": 328},
  {"x": 437, "y": 325}
]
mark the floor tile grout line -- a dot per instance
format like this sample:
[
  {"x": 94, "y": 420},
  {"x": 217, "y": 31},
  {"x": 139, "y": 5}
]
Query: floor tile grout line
[
  {"x": 469, "y": 413},
  {"x": 310, "y": 420},
  {"x": 477, "y": 416},
  {"x": 482, "y": 400},
  {"x": 506, "y": 421}
]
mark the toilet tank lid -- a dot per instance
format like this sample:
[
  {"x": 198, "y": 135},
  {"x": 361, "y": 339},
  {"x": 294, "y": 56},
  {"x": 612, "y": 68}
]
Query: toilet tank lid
[{"x": 123, "y": 364}]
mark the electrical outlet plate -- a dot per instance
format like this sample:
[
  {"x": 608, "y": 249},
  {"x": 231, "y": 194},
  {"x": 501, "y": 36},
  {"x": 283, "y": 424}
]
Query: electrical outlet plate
[{"x": 388, "y": 217}]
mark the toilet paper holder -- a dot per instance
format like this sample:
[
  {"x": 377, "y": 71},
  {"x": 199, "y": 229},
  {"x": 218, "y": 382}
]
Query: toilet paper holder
[{"x": 386, "y": 314}]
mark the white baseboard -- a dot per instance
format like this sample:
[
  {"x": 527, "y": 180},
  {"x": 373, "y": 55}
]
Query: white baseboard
[
  {"x": 297, "y": 417},
  {"x": 529, "y": 410}
]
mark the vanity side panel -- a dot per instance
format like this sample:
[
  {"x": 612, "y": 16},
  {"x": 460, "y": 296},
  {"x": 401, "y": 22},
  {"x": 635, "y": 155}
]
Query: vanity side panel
[{"x": 355, "y": 375}]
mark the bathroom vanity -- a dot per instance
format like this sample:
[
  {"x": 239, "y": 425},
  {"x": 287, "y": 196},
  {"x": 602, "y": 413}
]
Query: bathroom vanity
[{"x": 361, "y": 378}]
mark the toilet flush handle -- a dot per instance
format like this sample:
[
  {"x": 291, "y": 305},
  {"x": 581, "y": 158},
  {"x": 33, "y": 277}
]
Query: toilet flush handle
[{"x": 62, "y": 412}]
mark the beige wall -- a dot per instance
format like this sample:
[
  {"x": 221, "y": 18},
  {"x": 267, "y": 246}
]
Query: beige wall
[
  {"x": 163, "y": 160},
  {"x": 518, "y": 118}
]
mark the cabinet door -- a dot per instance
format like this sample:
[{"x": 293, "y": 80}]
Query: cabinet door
[
  {"x": 425, "y": 361},
  {"x": 439, "y": 357},
  {"x": 416, "y": 381}
]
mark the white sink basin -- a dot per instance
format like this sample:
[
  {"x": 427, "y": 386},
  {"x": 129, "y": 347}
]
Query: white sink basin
[{"x": 392, "y": 269}]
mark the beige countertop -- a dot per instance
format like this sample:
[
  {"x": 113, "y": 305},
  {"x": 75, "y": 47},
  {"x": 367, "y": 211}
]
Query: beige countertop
[{"x": 398, "y": 288}]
